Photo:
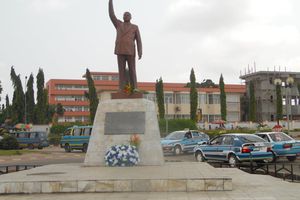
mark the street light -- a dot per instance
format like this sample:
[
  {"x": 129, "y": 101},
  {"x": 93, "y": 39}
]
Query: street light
[{"x": 25, "y": 100}]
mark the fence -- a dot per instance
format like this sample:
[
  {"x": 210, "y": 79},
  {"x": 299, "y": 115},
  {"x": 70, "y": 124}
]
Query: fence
[
  {"x": 5, "y": 169},
  {"x": 285, "y": 171}
]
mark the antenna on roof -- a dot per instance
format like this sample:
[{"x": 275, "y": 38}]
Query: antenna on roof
[
  {"x": 279, "y": 67},
  {"x": 254, "y": 66},
  {"x": 285, "y": 68}
]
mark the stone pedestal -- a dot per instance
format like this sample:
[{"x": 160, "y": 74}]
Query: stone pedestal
[{"x": 115, "y": 121}]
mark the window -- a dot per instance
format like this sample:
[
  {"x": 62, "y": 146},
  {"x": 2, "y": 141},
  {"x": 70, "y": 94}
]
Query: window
[
  {"x": 202, "y": 99},
  {"x": 87, "y": 131},
  {"x": 182, "y": 98},
  {"x": 77, "y": 131},
  {"x": 217, "y": 141},
  {"x": 150, "y": 97},
  {"x": 67, "y": 132},
  {"x": 228, "y": 140},
  {"x": 213, "y": 99},
  {"x": 195, "y": 134},
  {"x": 168, "y": 98}
]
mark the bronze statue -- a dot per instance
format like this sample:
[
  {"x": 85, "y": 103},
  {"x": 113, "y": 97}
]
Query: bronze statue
[{"x": 127, "y": 34}]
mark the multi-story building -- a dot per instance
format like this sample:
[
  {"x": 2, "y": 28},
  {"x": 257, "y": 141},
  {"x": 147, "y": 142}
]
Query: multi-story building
[
  {"x": 70, "y": 93},
  {"x": 265, "y": 93}
]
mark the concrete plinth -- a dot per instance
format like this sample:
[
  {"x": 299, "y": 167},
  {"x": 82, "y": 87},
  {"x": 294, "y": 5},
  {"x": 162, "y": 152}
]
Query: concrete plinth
[
  {"x": 70, "y": 178},
  {"x": 150, "y": 150}
]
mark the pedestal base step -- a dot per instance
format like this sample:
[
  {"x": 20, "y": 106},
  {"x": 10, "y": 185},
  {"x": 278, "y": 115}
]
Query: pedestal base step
[{"x": 172, "y": 177}]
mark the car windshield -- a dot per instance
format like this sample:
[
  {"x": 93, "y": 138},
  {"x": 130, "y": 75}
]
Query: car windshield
[
  {"x": 175, "y": 135},
  {"x": 250, "y": 138},
  {"x": 278, "y": 137}
]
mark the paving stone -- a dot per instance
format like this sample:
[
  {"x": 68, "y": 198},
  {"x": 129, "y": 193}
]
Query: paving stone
[
  {"x": 104, "y": 186},
  {"x": 86, "y": 186}
]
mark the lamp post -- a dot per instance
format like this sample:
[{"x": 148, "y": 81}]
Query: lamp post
[
  {"x": 25, "y": 119},
  {"x": 289, "y": 85}
]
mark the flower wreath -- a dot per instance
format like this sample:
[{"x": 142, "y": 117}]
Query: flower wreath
[{"x": 122, "y": 156}]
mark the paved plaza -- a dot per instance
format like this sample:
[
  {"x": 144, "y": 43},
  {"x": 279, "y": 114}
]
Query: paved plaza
[{"x": 245, "y": 187}]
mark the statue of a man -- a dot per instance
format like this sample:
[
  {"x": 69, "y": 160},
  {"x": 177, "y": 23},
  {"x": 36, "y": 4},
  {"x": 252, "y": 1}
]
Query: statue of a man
[{"x": 127, "y": 34}]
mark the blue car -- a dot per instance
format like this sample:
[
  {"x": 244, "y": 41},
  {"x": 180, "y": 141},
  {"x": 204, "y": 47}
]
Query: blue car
[
  {"x": 235, "y": 148},
  {"x": 183, "y": 141},
  {"x": 282, "y": 145}
]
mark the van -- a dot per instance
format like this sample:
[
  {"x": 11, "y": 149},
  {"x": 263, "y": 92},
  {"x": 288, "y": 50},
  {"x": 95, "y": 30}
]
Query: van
[
  {"x": 32, "y": 140},
  {"x": 76, "y": 138}
]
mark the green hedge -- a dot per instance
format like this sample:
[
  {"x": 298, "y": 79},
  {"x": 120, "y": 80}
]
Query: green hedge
[
  {"x": 9, "y": 142},
  {"x": 176, "y": 125}
]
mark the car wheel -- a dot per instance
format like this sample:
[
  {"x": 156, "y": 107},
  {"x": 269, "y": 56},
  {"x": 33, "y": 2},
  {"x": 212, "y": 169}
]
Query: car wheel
[
  {"x": 291, "y": 158},
  {"x": 199, "y": 156},
  {"x": 84, "y": 148},
  {"x": 40, "y": 147},
  {"x": 177, "y": 150},
  {"x": 232, "y": 160},
  {"x": 30, "y": 146},
  {"x": 67, "y": 148}
]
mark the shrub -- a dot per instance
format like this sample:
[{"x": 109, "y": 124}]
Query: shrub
[
  {"x": 54, "y": 139},
  {"x": 9, "y": 142},
  {"x": 176, "y": 125}
]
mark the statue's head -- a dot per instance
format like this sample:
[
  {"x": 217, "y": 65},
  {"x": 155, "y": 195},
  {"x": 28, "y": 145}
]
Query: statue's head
[{"x": 127, "y": 17}]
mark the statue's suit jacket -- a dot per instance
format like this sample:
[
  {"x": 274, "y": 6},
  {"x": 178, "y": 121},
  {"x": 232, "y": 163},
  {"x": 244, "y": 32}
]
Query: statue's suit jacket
[{"x": 126, "y": 36}]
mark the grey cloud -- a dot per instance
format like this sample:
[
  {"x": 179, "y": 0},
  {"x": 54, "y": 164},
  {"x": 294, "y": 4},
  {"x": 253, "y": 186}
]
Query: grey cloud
[{"x": 207, "y": 17}]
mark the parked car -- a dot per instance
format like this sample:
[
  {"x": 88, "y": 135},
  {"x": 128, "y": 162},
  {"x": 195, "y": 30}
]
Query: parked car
[
  {"x": 235, "y": 148},
  {"x": 282, "y": 145},
  {"x": 76, "y": 137},
  {"x": 183, "y": 141},
  {"x": 32, "y": 139}
]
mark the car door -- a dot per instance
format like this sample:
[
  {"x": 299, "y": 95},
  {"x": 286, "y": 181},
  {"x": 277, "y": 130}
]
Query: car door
[
  {"x": 225, "y": 147},
  {"x": 186, "y": 142},
  {"x": 211, "y": 151},
  {"x": 191, "y": 143}
]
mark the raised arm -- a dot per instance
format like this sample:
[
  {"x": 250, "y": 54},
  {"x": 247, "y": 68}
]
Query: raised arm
[{"x": 112, "y": 15}]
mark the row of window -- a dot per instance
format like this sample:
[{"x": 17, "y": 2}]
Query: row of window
[
  {"x": 76, "y": 108},
  {"x": 185, "y": 98},
  {"x": 71, "y": 87},
  {"x": 73, "y": 119},
  {"x": 105, "y": 78},
  {"x": 71, "y": 98}
]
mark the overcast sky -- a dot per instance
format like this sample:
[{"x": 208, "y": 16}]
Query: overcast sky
[{"x": 64, "y": 37}]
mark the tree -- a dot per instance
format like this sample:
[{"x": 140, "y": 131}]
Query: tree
[
  {"x": 159, "y": 88},
  {"x": 60, "y": 109},
  {"x": 193, "y": 97},
  {"x": 1, "y": 89},
  {"x": 252, "y": 103},
  {"x": 7, "y": 108},
  {"x": 91, "y": 95},
  {"x": 30, "y": 100},
  {"x": 278, "y": 102},
  {"x": 18, "y": 107},
  {"x": 41, "y": 105},
  {"x": 223, "y": 98}
]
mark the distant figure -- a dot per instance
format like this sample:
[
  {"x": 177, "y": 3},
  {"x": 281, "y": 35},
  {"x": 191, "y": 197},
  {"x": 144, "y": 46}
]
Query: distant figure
[
  {"x": 127, "y": 34},
  {"x": 188, "y": 135}
]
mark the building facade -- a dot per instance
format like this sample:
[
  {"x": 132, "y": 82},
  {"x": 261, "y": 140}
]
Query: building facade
[
  {"x": 265, "y": 94},
  {"x": 70, "y": 93}
]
